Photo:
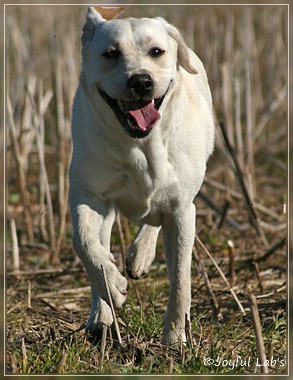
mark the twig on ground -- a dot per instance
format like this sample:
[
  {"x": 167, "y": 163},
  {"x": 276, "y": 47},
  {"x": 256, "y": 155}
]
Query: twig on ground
[
  {"x": 256, "y": 267},
  {"x": 212, "y": 205},
  {"x": 236, "y": 194},
  {"x": 240, "y": 176},
  {"x": 62, "y": 362},
  {"x": 272, "y": 228},
  {"x": 24, "y": 354},
  {"x": 258, "y": 334},
  {"x": 50, "y": 305},
  {"x": 112, "y": 308},
  {"x": 265, "y": 306},
  {"x": 279, "y": 290},
  {"x": 122, "y": 242},
  {"x": 15, "y": 247},
  {"x": 182, "y": 352},
  {"x": 238, "y": 129},
  {"x": 63, "y": 292},
  {"x": 133, "y": 284},
  {"x": 263, "y": 258},
  {"x": 199, "y": 341},
  {"x": 224, "y": 213},
  {"x": 208, "y": 284},
  {"x": 221, "y": 274},
  {"x": 55, "y": 271},
  {"x": 14, "y": 363},
  {"x": 231, "y": 262},
  {"x": 171, "y": 365},
  {"x": 272, "y": 250},
  {"x": 188, "y": 331},
  {"x": 29, "y": 294},
  {"x": 103, "y": 345}
]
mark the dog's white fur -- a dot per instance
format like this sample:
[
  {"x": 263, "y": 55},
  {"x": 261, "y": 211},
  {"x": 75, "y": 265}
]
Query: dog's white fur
[{"x": 152, "y": 180}]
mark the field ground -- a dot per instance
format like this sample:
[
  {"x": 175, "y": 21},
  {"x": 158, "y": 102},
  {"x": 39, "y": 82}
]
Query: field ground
[
  {"x": 47, "y": 292},
  {"x": 50, "y": 329}
]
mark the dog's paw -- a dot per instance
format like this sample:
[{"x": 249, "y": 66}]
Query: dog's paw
[
  {"x": 173, "y": 336},
  {"x": 94, "y": 334},
  {"x": 173, "y": 329},
  {"x": 116, "y": 282},
  {"x": 142, "y": 252},
  {"x": 137, "y": 266},
  {"x": 100, "y": 318}
]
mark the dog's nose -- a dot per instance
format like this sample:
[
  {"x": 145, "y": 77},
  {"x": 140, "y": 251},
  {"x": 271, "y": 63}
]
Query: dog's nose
[{"x": 141, "y": 84}]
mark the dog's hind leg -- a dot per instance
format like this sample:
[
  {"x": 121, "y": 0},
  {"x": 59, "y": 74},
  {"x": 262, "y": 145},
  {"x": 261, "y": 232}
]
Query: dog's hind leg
[{"x": 142, "y": 251}]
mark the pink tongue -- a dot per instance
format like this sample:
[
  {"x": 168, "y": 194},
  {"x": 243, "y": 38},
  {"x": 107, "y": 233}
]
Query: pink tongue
[{"x": 146, "y": 116}]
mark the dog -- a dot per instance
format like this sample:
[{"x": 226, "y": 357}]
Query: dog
[{"x": 143, "y": 130}]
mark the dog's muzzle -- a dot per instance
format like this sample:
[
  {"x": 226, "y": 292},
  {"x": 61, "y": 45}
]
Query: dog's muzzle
[{"x": 137, "y": 117}]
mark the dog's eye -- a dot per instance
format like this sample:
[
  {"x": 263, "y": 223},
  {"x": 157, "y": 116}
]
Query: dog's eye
[
  {"x": 156, "y": 52},
  {"x": 112, "y": 54}
]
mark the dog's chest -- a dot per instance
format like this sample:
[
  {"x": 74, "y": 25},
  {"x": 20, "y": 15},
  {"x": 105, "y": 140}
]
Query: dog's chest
[
  {"x": 134, "y": 182},
  {"x": 129, "y": 179}
]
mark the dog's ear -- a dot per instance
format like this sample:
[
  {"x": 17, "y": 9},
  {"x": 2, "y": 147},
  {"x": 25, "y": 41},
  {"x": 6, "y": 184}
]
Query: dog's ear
[
  {"x": 108, "y": 13},
  {"x": 93, "y": 18},
  {"x": 183, "y": 54},
  {"x": 96, "y": 16}
]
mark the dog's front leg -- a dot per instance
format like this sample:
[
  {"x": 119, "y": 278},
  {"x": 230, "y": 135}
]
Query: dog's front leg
[
  {"x": 92, "y": 223},
  {"x": 142, "y": 251},
  {"x": 100, "y": 316},
  {"x": 178, "y": 232}
]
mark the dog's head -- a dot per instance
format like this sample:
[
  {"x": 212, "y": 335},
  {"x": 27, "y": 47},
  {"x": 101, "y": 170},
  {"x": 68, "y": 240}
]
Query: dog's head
[{"x": 132, "y": 63}]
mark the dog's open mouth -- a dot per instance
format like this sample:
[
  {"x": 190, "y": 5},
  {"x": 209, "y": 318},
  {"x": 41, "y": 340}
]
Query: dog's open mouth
[{"x": 136, "y": 117}]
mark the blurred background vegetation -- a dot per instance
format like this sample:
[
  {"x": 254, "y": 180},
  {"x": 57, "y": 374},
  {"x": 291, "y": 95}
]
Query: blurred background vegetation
[{"x": 244, "y": 50}]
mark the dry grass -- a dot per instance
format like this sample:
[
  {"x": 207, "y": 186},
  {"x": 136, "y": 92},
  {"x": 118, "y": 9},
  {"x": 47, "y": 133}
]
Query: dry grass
[{"x": 244, "y": 49}]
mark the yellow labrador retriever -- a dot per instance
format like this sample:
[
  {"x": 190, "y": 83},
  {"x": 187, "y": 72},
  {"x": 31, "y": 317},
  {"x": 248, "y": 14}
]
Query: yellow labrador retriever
[{"x": 142, "y": 132}]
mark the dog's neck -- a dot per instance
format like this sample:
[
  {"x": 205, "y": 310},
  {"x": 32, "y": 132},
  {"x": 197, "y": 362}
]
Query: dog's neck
[{"x": 91, "y": 94}]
